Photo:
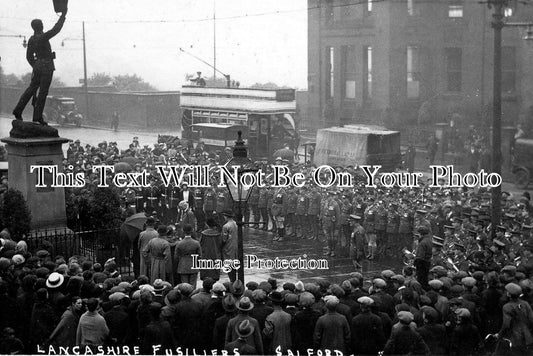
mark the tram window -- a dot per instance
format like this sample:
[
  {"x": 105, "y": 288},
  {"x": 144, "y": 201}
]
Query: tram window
[
  {"x": 254, "y": 125},
  {"x": 264, "y": 126}
]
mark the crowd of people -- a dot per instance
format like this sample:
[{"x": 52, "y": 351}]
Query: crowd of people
[{"x": 458, "y": 283}]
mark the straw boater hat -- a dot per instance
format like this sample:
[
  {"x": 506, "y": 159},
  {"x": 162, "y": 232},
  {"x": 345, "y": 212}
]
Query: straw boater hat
[{"x": 55, "y": 280}]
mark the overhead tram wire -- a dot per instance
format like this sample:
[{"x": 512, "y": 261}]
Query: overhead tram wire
[{"x": 280, "y": 12}]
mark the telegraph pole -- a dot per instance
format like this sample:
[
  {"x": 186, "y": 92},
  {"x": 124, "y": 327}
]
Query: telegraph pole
[
  {"x": 85, "y": 84},
  {"x": 214, "y": 40},
  {"x": 497, "y": 25}
]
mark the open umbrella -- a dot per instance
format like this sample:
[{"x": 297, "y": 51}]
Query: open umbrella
[
  {"x": 284, "y": 153},
  {"x": 133, "y": 225},
  {"x": 123, "y": 167},
  {"x": 130, "y": 160}
]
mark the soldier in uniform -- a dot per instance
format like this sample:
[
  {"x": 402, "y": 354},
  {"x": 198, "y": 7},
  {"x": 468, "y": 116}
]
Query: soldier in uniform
[
  {"x": 370, "y": 233},
  {"x": 292, "y": 201},
  {"x": 221, "y": 197},
  {"x": 313, "y": 211},
  {"x": 253, "y": 203},
  {"x": 129, "y": 198},
  {"x": 357, "y": 241},
  {"x": 302, "y": 206},
  {"x": 270, "y": 201},
  {"x": 199, "y": 209},
  {"x": 380, "y": 226},
  {"x": 405, "y": 227},
  {"x": 344, "y": 223},
  {"x": 437, "y": 256},
  {"x": 279, "y": 213},
  {"x": 210, "y": 203},
  {"x": 152, "y": 196},
  {"x": 262, "y": 206},
  {"x": 330, "y": 217},
  {"x": 393, "y": 222}
]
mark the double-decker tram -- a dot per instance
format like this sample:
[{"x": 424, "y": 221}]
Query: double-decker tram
[{"x": 215, "y": 115}]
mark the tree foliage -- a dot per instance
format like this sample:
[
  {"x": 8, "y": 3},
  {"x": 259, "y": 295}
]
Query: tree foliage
[
  {"x": 268, "y": 85},
  {"x": 15, "y": 214},
  {"x": 133, "y": 82},
  {"x": 100, "y": 79},
  {"x": 93, "y": 209}
]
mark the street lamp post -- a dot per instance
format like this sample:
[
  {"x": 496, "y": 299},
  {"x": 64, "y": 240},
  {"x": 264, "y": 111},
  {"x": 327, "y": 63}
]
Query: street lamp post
[
  {"x": 85, "y": 84},
  {"x": 498, "y": 23},
  {"x": 240, "y": 193}
]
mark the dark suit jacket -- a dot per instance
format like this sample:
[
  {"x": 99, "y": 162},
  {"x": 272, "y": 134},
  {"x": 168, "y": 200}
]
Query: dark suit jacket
[
  {"x": 190, "y": 200},
  {"x": 182, "y": 255}
]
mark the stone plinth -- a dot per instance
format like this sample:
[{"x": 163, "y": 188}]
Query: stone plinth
[{"x": 47, "y": 205}]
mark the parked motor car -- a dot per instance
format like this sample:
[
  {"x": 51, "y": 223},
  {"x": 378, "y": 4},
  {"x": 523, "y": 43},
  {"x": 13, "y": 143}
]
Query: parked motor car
[{"x": 62, "y": 110}]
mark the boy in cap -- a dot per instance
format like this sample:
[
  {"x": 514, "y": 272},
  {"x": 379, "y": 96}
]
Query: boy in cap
[
  {"x": 405, "y": 340},
  {"x": 332, "y": 331}
]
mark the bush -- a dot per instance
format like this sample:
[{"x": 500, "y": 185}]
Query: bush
[{"x": 15, "y": 214}]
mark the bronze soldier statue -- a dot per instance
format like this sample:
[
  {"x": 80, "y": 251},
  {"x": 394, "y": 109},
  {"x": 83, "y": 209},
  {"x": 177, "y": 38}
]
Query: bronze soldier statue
[{"x": 41, "y": 58}]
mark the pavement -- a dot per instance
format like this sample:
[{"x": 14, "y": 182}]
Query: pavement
[{"x": 259, "y": 243}]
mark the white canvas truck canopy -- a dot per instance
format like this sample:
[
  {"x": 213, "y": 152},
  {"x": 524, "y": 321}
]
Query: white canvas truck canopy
[{"x": 357, "y": 145}]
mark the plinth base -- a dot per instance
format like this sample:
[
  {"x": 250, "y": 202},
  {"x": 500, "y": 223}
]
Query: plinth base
[{"x": 47, "y": 204}]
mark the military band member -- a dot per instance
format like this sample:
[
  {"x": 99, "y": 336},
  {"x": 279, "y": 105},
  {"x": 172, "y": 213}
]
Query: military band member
[{"x": 423, "y": 255}]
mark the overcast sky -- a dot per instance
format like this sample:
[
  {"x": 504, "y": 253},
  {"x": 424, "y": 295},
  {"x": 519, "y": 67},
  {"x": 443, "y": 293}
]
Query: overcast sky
[{"x": 257, "y": 40}]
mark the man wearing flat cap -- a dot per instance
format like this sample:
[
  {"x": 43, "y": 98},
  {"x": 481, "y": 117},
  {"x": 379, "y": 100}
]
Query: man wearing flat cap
[
  {"x": 332, "y": 331},
  {"x": 405, "y": 340},
  {"x": 517, "y": 318},
  {"x": 367, "y": 329}
]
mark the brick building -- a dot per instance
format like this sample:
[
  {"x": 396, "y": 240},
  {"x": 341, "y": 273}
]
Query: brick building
[{"x": 381, "y": 61}]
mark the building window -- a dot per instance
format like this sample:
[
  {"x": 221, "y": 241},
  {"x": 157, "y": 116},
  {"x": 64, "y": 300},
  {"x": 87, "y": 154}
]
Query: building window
[
  {"x": 412, "y": 9},
  {"x": 367, "y": 73},
  {"x": 413, "y": 73},
  {"x": 348, "y": 72},
  {"x": 369, "y": 6},
  {"x": 329, "y": 12},
  {"x": 330, "y": 67},
  {"x": 454, "y": 59},
  {"x": 508, "y": 70},
  {"x": 348, "y": 9},
  {"x": 455, "y": 10}
]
